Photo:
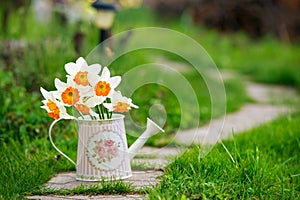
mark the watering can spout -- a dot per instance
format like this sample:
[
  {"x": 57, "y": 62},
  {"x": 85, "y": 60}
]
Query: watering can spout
[{"x": 152, "y": 129}]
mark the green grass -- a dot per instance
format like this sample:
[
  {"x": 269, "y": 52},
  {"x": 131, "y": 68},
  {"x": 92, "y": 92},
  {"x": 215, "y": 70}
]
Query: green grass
[
  {"x": 103, "y": 188},
  {"x": 262, "y": 163},
  {"x": 27, "y": 164},
  {"x": 266, "y": 60},
  {"x": 22, "y": 170}
]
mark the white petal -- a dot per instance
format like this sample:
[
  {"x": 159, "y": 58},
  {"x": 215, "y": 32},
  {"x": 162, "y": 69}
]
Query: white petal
[
  {"x": 81, "y": 63},
  {"x": 46, "y": 108},
  {"x": 105, "y": 73},
  {"x": 98, "y": 100},
  {"x": 93, "y": 113},
  {"x": 71, "y": 68},
  {"x": 93, "y": 79},
  {"x": 44, "y": 93},
  {"x": 133, "y": 105},
  {"x": 115, "y": 96},
  {"x": 125, "y": 99},
  {"x": 115, "y": 81},
  {"x": 59, "y": 84},
  {"x": 84, "y": 90},
  {"x": 44, "y": 102},
  {"x": 70, "y": 79},
  {"x": 66, "y": 116},
  {"x": 109, "y": 106},
  {"x": 87, "y": 93},
  {"x": 62, "y": 108},
  {"x": 54, "y": 95},
  {"x": 94, "y": 69},
  {"x": 93, "y": 101}
]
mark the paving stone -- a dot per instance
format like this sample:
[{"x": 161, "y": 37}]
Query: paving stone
[
  {"x": 139, "y": 179},
  {"x": 67, "y": 180},
  {"x": 267, "y": 94},
  {"x": 86, "y": 197}
]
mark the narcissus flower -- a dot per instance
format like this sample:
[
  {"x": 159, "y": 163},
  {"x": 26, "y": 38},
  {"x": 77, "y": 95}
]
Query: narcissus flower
[
  {"x": 86, "y": 107},
  {"x": 68, "y": 93},
  {"x": 104, "y": 85},
  {"x": 54, "y": 108},
  {"x": 79, "y": 71},
  {"x": 119, "y": 103}
]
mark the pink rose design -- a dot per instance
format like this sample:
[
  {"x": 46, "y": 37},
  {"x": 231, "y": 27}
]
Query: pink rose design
[
  {"x": 113, "y": 151},
  {"x": 101, "y": 149},
  {"x": 109, "y": 143}
]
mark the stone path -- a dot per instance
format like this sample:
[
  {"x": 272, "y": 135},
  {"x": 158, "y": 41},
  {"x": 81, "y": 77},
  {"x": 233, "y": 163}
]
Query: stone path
[
  {"x": 87, "y": 197},
  {"x": 268, "y": 107},
  {"x": 138, "y": 180}
]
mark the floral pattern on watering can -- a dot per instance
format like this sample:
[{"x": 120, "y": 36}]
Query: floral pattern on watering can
[
  {"x": 102, "y": 150},
  {"x": 104, "y": 153}
]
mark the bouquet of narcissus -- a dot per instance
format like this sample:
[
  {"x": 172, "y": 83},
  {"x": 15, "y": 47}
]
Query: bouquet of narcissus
[{"x": 89, "y": 90}]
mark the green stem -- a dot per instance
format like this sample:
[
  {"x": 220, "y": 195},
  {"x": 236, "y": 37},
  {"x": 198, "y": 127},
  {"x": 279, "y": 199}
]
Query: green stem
[
  {"x": 107, "y": 113},
  {"x": 101, "y": 116},
  {"x": 79, "y": 113},
  {"x": 92, "y": 117},
  {"x": 102, "y": 111},
  {"x": 106, "y": 110}
]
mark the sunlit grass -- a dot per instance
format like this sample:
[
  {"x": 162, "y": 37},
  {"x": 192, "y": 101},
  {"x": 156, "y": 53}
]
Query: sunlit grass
[
  {"x": 103, "y": 188},
  {"x": 260, "y": 164},
  {"x": 23, "y": 170}
]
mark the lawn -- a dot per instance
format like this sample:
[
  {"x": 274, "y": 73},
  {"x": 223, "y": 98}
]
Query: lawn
[
  {"x": 28, "y": 160},
  {"x": 262, "y": 163}
]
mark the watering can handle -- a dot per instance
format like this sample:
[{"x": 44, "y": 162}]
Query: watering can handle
[{"x": 59, "y": 151}]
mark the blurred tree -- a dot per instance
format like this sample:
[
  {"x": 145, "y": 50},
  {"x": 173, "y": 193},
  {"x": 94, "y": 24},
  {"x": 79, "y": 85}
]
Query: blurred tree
[
  {"x": 8, "y": 7},
  {"x": 280, "y": 18},
  {"x": 78, "y": 40},
  {"x": 170, "y": 7}
]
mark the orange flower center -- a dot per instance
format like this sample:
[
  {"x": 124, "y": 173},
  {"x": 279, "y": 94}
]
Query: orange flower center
[
  {"x": 102, "y": 88},
  {"x": 81, "y": 78},
  {"x": 54, "y": 110},
  {"x": 83, "y": 108},
  {"x": 121, "y": 107},
  {"x": 70, "y": 96},
  {"x": 53, "y": 115},
  {"x": 51, "y": 105}
]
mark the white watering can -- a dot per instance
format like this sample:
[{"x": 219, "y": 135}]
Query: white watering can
[{"x": 102, "y": 152}]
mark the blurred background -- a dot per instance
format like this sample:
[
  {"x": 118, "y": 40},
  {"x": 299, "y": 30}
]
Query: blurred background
[
  {"x": 34, "y": 33},
  {"x": 257, "y": 38}
]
